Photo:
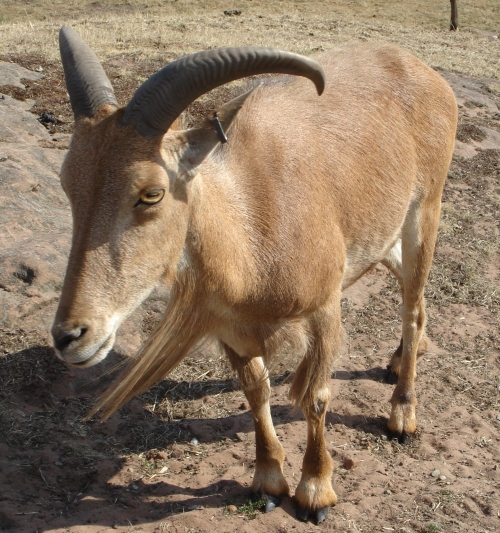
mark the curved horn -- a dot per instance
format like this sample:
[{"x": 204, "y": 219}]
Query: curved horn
[
  {"x": 88, "y": 86},
  {"x": 166, "y": 94}
]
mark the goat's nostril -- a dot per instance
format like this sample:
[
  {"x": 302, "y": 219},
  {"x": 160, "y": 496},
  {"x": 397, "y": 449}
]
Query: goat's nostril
[{"x": 64, "y": 340}]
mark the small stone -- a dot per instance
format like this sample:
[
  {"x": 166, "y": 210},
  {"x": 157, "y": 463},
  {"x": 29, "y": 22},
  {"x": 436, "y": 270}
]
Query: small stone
[
  {"x": 387, "y": 491},
  {"x": 135, "y": 487},
  {"x": 115, "y": 526},
  {"x": 349, "y": 463},
  {"x": 39, "y": 69},
  {"x": 498, "y": 417},
  {"x": 194, "y": 507},
  {"x": 436, "y": 473},
  {"x": 442, "y": 478},
  {"x": 237, "y": 456},
  {"x": 390, "y": 484},
  {"x": 178, "y": 453},
  {"x": 194, "y": 441},
  {"x": 244, "y": 407},
  {"x": 232, "y": 508},
  {"x": 163, "y": 470},
  {"x": 161, "y": 455}
]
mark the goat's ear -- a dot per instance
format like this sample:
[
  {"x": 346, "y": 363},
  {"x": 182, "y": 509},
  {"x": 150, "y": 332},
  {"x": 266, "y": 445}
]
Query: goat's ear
[
  {"x": 227, "y": 113},
  {"x": 200, "y": 142}
]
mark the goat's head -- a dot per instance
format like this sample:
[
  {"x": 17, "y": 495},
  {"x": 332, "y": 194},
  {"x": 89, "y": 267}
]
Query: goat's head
[{"x": 127, "y": 178}]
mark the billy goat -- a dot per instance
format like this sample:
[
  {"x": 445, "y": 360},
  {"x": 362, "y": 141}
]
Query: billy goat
[{"x": 256, "y": 237}]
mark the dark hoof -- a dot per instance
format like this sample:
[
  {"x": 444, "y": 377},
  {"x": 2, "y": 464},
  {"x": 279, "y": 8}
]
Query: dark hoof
[
  {"x": 402, "y": 438},
  {"x": 271, "y": 503},
  {"x": 321, "y": 514},
  {"x": 405, "y": 438},
  {"x": 391, "y": 378},
  {"x": 302, "y": 514}
]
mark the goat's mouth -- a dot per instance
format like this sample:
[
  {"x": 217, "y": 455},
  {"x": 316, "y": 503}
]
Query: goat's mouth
[{"x": 89, "y": 355}]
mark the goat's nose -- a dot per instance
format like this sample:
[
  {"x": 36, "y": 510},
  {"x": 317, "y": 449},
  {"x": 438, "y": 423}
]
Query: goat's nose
[{"x": 64, "y": 338}]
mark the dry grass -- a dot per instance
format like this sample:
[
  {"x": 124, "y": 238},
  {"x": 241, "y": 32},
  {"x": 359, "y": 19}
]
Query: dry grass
[{"x": 167, "y": 30}]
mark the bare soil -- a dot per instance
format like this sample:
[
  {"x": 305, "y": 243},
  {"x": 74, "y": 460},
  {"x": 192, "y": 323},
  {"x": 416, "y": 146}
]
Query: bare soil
[{"x": 181, "y": 456}]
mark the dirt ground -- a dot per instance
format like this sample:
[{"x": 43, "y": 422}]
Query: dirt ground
[{"x": 180, "y": 457}]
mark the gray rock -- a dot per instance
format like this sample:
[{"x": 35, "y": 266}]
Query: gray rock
[{"x": 11, "y": 74}]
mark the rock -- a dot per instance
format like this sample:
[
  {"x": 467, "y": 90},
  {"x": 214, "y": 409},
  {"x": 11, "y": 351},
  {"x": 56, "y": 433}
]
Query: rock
[
  {"x": 162, "y": 456},
  {"x": 349, "y": 463},
  {"x": 11, "y": 74},
  {"x": 178, "y": 453},
  {"x": 232, "y": 12},
  {"x": 442, "y": 478},
  {"x": 244, "y": 407},
  {"x": 436, "y": 473},
  {"x": 237, "y": 456},
  {"x": 194, "y": 507},
  {"x": 194, "y": 441},
  {"x": 498, "y": 417},
  {"x": 232, "y": 508}
]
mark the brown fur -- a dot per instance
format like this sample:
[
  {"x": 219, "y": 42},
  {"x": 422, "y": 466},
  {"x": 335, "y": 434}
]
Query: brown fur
[{"x": 259, "y": 237}]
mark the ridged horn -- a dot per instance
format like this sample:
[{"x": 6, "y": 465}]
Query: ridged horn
[
  {"x": 165, "y": 95},
  {"x": 88, "y": 86}
]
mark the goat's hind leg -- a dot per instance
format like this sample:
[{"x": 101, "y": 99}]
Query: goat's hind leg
[
  {"x": 393, "y": 261},
  {"x": 418, "y": 242},
  {"x": 268, "y": 484}
]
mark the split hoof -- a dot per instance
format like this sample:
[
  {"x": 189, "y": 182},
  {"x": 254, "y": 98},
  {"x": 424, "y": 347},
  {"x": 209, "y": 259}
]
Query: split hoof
[
  {"x": 270, "y": 502},
  {"x": 391, "y": 377},
  {"x": 317, "y": 516},
  {"x": 402, "y": 438}
]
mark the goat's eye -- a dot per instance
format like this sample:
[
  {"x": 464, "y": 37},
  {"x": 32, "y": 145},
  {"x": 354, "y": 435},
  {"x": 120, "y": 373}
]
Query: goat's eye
[{"x": 153, "y": 196}]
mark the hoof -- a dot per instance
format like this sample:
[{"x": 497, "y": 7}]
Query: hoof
[
  {"x": 391, "y": 377},
  {"x": 317, "y": 516},
  {"x": 302, "y": 514},
  {"x": 270, "y": 502},
  {"x": 321, "y": 514},
  {"x": 402, "y": 438}
]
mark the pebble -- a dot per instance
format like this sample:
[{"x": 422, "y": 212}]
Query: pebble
[
  {"x": 387, "y": 491},
  {"x": 244, "y": 407},
  {"x": 58, "y": 463},
  {"x": 442, "y": 478},
  {"x": 161, "y": 455},
  {"x": 115, "y": 526},
  {"x": 349, "y": 463},
  {"x": 232, "y": 508},
  {"x": 194, "y": 441},
  {"x": 436, "y": 473},
  {"x": 498, "y": 417},
  {"x": 135, "y": 487},
  {"x": 237, "y": 456},
  {"x": 177, "y": 453},
  {"x": 194, "y": 507}
]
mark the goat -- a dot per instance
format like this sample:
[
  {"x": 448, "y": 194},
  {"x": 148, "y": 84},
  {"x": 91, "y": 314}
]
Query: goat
[{"x": 257, "y": 237}]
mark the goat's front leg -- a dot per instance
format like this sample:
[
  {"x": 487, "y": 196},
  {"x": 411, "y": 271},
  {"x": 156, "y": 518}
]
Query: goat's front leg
[
  {"x": 311, "y": 389},
  {"x": 268, "y": 484}
]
